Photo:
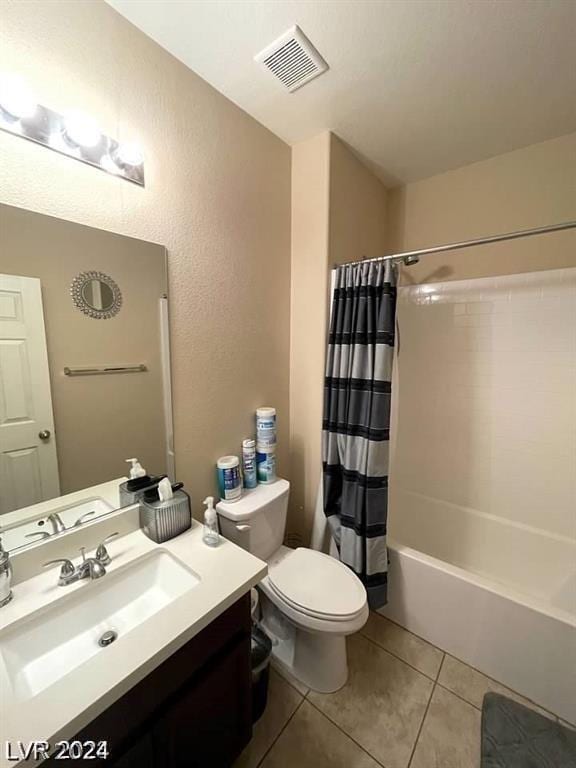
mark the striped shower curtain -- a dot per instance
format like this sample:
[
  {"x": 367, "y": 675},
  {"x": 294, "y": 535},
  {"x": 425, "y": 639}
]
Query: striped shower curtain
[{"x": 356, "y": 421}]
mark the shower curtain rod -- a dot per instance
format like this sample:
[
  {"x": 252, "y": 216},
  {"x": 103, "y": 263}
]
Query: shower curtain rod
[{"x": 412, "y": 257}]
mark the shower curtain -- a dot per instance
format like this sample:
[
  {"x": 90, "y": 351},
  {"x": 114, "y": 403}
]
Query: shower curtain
[{"x": 356, "y": 420}]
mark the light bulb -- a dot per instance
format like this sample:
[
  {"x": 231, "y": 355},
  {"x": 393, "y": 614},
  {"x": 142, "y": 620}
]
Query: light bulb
[
  {"x": 109, "y": 165},
  {"x": 57, "y": 141},
  {"x": 130, "y": 154},
  {"x": 81, "y": 129},
  {"x": 16, "y": 98}
]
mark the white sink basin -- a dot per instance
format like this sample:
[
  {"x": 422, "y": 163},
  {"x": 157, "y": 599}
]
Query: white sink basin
[{"x": 37, "y": 652}]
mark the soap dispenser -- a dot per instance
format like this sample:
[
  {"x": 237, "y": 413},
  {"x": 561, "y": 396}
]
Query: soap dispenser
[
  {"x": 136, "y": 470},
  {"x": 210, "y": 534},
  {"x": 133, "y": 489}
]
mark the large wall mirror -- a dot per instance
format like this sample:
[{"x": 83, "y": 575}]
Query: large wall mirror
[{"x": 84, "y": 367}]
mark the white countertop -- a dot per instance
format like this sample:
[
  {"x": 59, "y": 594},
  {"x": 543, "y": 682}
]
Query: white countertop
[{"x": 226, "y": 572}]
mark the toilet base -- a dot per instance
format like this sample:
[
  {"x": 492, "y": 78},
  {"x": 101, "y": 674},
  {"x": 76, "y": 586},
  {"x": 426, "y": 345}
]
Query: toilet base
[
  {"x": 317, "y": 659},
  {"x": 320, "y": 661}
]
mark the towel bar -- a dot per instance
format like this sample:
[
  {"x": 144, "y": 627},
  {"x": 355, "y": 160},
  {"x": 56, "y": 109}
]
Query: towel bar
[{"x": 105, "y": 369}]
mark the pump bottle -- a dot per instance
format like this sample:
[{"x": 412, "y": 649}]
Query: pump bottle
[{"x": 210, "y": 535}]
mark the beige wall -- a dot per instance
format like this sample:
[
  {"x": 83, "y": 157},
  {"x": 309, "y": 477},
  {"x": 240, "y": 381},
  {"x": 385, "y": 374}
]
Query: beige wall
[
  {"x": 530, "y": 187},
  {"x": 338, "y": 214},
  {"x": 99, "y": 420},
  {"x": 310, "y": 212},
  {"x": 357, "y": 208},
  {"x": 217, "y": 196}
]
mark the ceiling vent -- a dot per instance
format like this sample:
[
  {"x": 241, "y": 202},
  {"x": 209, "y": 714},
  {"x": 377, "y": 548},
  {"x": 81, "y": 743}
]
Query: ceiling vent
[{"x": 292, "y": 59}]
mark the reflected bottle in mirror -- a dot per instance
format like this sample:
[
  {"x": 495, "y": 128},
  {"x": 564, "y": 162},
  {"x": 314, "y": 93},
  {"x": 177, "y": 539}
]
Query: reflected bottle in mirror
[{"x": 5, "y": 577}]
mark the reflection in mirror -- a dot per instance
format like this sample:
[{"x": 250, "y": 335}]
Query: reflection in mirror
[
  {"x": 97, "y": 294},
  {"x": 60, "y": 434},
  {"x": 41, "y": 526}
]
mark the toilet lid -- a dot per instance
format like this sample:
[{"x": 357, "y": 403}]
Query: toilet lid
[{"x": 318, "y": 583}]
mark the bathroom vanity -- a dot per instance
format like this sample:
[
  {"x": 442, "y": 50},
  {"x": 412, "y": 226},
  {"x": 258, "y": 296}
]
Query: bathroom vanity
[
  {"x": 192, "y": 710},
  {"x": 173, "y": 688}
]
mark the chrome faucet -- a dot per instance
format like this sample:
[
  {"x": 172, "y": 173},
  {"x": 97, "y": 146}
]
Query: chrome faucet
[
  {"x": 5, "y": 577},
  {"x": 58, "y": 525},
  {"x": 89, "y": 568},
  {"x": 56, "y": 521},
  {"x": 83, "y": 517},
  {"x": 43, "y": 535}
]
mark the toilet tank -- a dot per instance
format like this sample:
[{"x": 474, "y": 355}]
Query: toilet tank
[{"x": 257, "y": 521}]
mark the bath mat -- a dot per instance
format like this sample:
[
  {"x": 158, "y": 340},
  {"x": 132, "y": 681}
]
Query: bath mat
[{"x": 514, "y": 736}]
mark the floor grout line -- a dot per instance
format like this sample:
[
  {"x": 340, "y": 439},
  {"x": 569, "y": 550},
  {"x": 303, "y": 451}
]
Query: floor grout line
[
  {"x": 376, "y": 760},
  {"x": 409, "y": 631},
  {"x": 441, "y": 665},
  {"x": 265, "y": 755},
  {"x": 497, "y": 682},
  {"x": 436, "y": 683},
  {"x": 399, "y": 658},
  {"x": 337, "y": 725},
  {"x": 291, "y": 684},
  {"x": 421, "y": 727},
  {"x": 479, "y": 708},
  {"x": 460, "y": 661},
  {"x": 458, "y": 696}
]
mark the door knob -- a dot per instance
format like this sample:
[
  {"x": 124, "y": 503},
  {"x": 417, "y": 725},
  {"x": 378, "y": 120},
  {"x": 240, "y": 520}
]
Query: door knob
[{"x": 44, "y": 434}]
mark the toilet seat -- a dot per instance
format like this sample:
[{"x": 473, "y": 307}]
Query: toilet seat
[{"x": 316, "y": 585}]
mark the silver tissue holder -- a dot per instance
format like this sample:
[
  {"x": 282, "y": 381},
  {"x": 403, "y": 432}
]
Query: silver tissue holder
[{"x": 163, "y": 520}]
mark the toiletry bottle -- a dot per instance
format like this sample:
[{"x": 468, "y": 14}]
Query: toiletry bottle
[
  {"x": 266, "y": 426},
  {"x": 133, "y": 489},
  {"x": 229, "y": 480},
  {"x": 5, "y": 577},
  {"x": 210, "y": 534},
  {"x": 249, "y": 462},
  {"x": 136, "y": 470}
]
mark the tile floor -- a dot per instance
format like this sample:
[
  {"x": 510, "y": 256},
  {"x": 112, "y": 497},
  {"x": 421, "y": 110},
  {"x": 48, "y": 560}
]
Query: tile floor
[{"x": 406, "y": 704}]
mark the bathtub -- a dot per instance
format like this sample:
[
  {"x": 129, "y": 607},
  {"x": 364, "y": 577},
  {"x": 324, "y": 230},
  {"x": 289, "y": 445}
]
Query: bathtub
[
  {"x": 482, "y": 484},
  {"x": 526, "y": 643}
]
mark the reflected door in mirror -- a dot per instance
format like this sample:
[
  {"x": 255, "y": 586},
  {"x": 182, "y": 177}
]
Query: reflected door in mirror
[{"x": 28, "y": 460}]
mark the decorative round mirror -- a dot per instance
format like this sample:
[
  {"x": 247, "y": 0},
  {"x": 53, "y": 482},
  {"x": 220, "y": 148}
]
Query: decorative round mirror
[{"x": 96, "y": 294}]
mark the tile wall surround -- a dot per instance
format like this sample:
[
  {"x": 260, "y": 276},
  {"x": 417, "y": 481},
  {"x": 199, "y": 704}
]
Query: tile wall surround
[{"x": 485, "y": 446}]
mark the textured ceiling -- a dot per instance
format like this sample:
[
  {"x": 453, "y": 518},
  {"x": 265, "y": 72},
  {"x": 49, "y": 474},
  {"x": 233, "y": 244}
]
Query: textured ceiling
[{"x": 415, "y": 87}]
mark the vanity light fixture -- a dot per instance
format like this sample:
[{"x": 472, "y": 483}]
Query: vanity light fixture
[{"x": 74, "y": 133}]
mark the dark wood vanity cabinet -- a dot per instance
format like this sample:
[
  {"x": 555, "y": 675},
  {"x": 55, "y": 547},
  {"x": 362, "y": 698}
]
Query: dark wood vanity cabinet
[{"x": 193, "y": 711}]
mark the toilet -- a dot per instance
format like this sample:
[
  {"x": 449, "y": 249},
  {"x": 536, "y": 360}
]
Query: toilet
[{"x": 310, "y": 601}]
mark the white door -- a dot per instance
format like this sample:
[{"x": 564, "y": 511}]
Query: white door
[{"x": 28, "y": 461}]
